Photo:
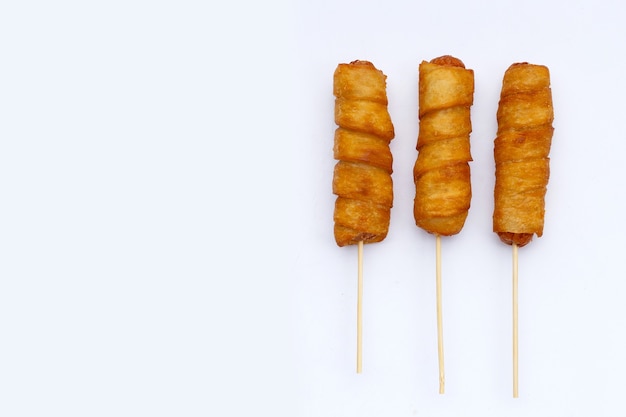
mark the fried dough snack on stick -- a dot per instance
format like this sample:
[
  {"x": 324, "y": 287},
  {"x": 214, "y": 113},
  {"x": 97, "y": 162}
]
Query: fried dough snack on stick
[
  {"x": 521, "y": 149},
  {"x": 362, "y": 177},
  {"x": 441, "y": 172}
]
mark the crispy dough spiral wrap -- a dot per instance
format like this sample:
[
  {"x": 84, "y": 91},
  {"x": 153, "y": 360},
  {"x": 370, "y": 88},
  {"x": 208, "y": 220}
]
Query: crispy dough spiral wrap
[
  {"x": 441, "y": 172},
  {"x": 362, "y": 177},
  {"x": 521, "y": 149}
]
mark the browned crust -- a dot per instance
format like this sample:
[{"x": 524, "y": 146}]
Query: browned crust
[
  {"x": 521, "y": 150},
  {"x": 362, "y": 175},
  {"x": 441, "y": 172}
]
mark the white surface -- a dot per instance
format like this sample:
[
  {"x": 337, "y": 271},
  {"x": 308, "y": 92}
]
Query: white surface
[{"x": 166, "y": 237}]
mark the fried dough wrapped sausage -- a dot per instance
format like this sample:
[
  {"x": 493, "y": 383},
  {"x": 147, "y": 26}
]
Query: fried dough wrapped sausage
[
  {"x": 441, "y": 172},
  {"x": 521, "y": 149},
  {"x": 362, "y": 177}
]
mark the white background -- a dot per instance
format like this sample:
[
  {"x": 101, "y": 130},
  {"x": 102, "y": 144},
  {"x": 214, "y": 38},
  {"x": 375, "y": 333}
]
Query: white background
[{"x": 166, "y": 240}]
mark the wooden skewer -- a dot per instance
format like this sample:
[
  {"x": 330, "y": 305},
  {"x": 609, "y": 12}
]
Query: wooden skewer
[
  {"x": 515, "y": 332},
  {"x": 442, "y": 380},
  {"x": 359, "y": 312}
]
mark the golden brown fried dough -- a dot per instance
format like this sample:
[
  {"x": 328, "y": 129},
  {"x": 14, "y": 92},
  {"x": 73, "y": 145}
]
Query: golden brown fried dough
[
  {"x": 354, "y": 146},
  {"x": 441, "y": 172},
  {"x": 521, "y": 149},
  {"x": 362, "y": 177}
]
